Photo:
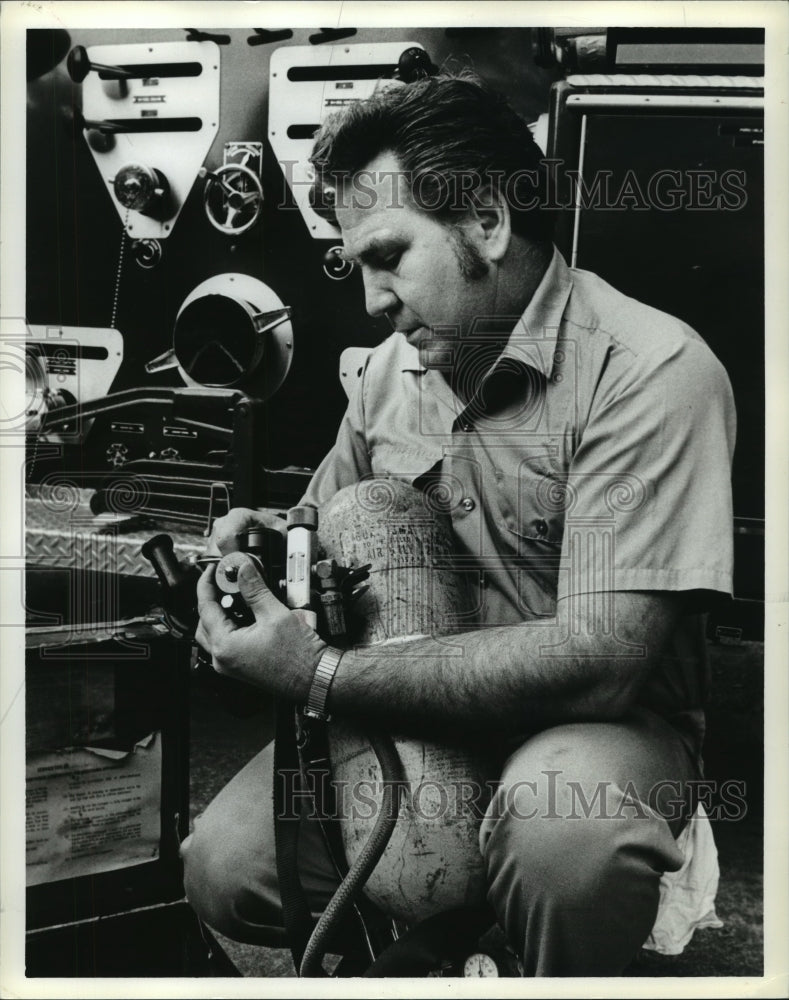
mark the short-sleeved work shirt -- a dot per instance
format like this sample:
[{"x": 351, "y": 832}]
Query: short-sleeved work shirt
[{"x": 594, "y": 458}]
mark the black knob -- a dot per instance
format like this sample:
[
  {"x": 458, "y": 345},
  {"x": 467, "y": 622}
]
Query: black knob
[
  {"x": 415, "y": 64},
  {"x": 79, "y": 65},
  {"x": 178, "y": 597},
  {"x": 159, "y": 552},
  {"x": 101, "y": 140}
]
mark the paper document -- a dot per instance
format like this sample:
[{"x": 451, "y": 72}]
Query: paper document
[{"x": 91, "y": 810}]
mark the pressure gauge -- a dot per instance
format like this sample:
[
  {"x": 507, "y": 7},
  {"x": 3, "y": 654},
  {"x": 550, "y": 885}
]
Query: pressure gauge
[
  {"x": 233, "y": 198},
  {"x": 480, "y": 964}
]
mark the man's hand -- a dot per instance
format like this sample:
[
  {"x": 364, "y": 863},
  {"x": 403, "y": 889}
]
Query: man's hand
[
  {"x": 279, "y": 652},
  {"x": 227, "y": 529}
]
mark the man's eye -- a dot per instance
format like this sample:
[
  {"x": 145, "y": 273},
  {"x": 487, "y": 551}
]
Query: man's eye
[{"x": 391, "y": 260}]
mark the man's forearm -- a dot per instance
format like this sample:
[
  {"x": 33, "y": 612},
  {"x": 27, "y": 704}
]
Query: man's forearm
[
  {"x": 509, "y": 679},
  {"x": 590, "y": 663}
]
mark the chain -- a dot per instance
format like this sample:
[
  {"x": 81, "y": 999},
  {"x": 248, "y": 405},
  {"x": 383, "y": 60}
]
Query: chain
[
  {"x": 31, "y": 463},
  {"x": 118, "y": 273}
]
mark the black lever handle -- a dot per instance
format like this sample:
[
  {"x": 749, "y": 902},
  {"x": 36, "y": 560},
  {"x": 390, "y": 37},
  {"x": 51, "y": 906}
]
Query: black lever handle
[
  {"x": 263, "y": 36},
  {"x": 331, "y": 35},
  {"x": 160, "y": 554},
  {"x": 79, "y": 65},
  {"x": 195, "y": 35},
  {"x": 178, "y": 585}
]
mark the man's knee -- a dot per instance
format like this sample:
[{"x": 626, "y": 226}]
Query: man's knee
[
  {"x": 204, "y": 884},
  {"x": 550, "y": 853},
  {"x": 565, "y": 823},
  {"x": 215, "y": 881},
  {"x": 229, "y": 862}
]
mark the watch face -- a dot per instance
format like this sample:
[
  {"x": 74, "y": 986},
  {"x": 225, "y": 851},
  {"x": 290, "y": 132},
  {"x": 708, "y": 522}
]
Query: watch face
[{"x": 480, "y": 964}]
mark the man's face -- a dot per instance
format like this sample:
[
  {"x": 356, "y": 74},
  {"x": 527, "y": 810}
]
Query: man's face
[{"x": 428, "y": 278}]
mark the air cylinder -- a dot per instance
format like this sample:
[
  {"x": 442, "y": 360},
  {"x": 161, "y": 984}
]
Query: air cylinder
[{"x": 432, "y": 863}]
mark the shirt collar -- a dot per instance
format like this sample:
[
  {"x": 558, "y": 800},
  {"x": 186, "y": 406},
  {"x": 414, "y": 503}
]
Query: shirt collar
[{"x": 533, "y": 338}]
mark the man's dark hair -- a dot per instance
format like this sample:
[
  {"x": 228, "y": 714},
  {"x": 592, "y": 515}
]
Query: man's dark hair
[{"x": 455, "y": 139}]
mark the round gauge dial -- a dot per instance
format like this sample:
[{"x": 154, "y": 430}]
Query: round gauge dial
[{"x": 480, "y": 964}]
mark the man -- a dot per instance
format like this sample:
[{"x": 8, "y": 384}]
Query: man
[{"x": 585, "y": 441}]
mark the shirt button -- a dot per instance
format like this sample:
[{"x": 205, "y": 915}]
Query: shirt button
[
  {"x": 466, "y": 426},
  {"x": 541, "y": 527},
  {"x": 467, "y": 504}
]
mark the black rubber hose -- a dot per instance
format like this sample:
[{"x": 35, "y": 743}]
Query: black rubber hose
[{"x": 342, "y": 900}]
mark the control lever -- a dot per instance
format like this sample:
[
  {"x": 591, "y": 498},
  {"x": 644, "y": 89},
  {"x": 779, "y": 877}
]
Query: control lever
[
  {"x": 195, "y": 35},
  {"x": 79, "y": 65},
  {"x": 178, "y": 586},
  {"x": 104, "y": 127},
  {"x": 263, "y": 36},
  {"x": 331, "y": 35}
]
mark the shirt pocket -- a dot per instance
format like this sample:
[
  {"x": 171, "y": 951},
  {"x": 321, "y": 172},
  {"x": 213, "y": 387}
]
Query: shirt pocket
[{"x": 536, "y": 528}]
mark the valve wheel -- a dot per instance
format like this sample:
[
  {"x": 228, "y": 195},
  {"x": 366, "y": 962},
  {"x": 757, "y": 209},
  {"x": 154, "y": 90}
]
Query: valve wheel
[{"x": 233, "y": 198}]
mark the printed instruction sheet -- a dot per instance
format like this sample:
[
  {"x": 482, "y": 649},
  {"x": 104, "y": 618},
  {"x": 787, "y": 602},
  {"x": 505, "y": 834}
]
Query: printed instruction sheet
[{"x": 92, "y": 810}]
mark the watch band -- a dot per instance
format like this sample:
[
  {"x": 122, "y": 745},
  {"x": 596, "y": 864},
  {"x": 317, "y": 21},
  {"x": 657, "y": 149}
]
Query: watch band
[{"x": 321, "y": 682}]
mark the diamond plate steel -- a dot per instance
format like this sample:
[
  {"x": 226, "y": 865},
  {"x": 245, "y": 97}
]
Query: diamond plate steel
[{"x": 61, "y": 531}]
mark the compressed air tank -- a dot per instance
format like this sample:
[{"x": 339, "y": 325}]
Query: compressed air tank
[{"x": 432, "y": 862}]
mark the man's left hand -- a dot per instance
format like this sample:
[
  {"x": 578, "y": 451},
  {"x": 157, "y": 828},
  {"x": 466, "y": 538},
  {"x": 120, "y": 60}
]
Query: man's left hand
[{"x": 278, "y": 652}]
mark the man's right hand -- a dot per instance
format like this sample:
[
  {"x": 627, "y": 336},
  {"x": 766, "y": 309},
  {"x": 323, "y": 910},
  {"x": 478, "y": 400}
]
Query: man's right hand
[{"x": 225, "y": 535}]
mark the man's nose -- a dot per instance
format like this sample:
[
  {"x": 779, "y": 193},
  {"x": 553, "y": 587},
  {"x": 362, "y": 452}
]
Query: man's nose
[{"x": 378, "y": 295}]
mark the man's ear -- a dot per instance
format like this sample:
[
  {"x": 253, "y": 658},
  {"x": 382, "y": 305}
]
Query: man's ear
[{"x": 491, "y": 213}]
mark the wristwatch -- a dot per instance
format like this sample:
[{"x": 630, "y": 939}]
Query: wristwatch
[{"x": 321, "y": 682}]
